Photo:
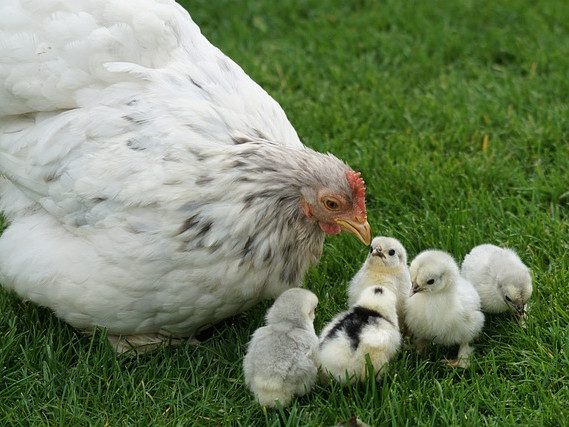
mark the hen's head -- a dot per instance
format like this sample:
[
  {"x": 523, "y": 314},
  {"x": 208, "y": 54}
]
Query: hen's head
[{"x": 339, "y": 206}]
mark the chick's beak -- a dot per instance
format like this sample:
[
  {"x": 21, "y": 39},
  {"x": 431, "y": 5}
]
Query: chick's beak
[
  {"x": 520, "y": 309},
  {"x": 414, "y": 289},
  {"x": 357, "y": 226},
  {"x": 378, "y": 252}
]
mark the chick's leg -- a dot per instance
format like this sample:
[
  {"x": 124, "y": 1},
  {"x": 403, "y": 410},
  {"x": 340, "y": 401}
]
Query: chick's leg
[
  {"x": 421, "y": 345},
  {"x": 463, "y": 358}
]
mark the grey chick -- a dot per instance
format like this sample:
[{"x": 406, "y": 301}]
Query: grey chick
[
  {"x": 501, "y": 278},
  {"x": 369, "y": 329},
  {"x": 443, "y": 307},
  {"x": 279, "y": 361},
  {"x": 385, "y": 265}
]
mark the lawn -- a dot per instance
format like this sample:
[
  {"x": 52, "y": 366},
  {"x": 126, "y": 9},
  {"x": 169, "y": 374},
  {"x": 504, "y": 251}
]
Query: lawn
[{"x": 456, "y": 113}]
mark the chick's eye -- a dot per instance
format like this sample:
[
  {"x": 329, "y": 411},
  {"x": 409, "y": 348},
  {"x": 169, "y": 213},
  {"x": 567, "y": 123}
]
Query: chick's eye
[
  {"x": 508, "y": 298},
  {"x": 391, "y": 252},
  {"x": 331, "y": 204},
  {"x": 430, "y": 281},
  {"x": 371, "y": 249}
]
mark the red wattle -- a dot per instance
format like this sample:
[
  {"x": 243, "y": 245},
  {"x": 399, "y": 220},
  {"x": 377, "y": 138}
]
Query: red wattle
[{"x": 329, "y": 228}]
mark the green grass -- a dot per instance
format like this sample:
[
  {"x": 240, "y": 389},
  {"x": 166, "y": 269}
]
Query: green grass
[{"x": 408, "y": 93}]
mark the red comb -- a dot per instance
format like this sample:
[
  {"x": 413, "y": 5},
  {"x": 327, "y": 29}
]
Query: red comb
[{"x": 358, "y": 186}]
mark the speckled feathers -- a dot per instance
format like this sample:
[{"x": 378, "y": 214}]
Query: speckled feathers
[{"x": 160, "y": 188}]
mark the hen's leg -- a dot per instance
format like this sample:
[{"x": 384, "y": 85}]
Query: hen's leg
[{"x": 140, "y": 344}]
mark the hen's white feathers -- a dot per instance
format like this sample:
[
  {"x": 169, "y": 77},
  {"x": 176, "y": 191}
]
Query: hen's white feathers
[
  {"x": 500, "y": 277},
  {"x": 151, "y": 186},
  {"x": 279, "y": 361},
  {"x": 61, "y": 54}
]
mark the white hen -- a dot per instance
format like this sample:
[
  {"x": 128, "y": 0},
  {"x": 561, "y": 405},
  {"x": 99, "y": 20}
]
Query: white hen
[
  {"x": 279, "y": 363},
  {"x": 500, "y": 277},
  {"x": 385, "y": 265},
  {"x": 442, "y": 308},
  {"x": 151, "y": 186}
]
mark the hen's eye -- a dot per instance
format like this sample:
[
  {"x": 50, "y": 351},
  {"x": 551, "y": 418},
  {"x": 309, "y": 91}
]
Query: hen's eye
[
  {"x": 331, "y": 204},
  {"x": 391, "y": 252},
  {"x": 430, "y": 281}
]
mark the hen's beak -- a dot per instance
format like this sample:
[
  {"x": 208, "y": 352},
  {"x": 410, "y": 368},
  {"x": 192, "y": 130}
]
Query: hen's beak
[{"x": 357, "y": 226}]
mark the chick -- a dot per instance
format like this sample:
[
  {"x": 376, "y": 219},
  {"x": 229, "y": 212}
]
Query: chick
[
  {"x": 368, "y": 329},
  {"x": 279, "y": 361},
  {"x": 442, "y": 307},
  {"x": 386, "y": 265},
  {"x": 501, "y": 279}
]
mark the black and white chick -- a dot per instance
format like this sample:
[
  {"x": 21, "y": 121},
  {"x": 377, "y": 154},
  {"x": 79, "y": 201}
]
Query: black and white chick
[
  {"x": 502, "y": 280},
  {"x": 442, "y": 308},
  {"x": 386, "y": 265},
  {"x": 279, "y": 363},
  {"x": 368, "y": 329}
]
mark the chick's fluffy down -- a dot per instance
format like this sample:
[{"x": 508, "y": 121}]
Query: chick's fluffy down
[
  {"x": 279, "y": 361},
  {"x": 369, "y": 329},
  {"x": 385, "y": 265},
  {"x": 500, "y": 277},
  {"x": 444, "y": 307}
]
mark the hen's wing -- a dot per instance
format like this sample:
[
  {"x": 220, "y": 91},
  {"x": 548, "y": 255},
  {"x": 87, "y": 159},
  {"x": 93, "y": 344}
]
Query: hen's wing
[
  {"x": 84, "y": 78},
  {"x": 119, "y": 122},
  {"x": 62, "y": 54}
]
